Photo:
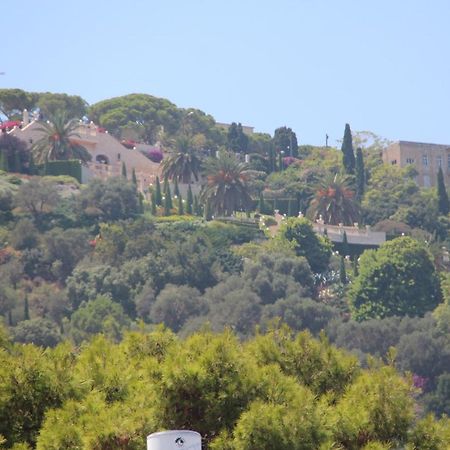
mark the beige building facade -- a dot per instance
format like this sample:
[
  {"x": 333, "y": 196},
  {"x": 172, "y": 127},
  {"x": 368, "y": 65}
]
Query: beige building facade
[
  {"x": 107, "y": 153},
  {"x": 426, "y": 159}
]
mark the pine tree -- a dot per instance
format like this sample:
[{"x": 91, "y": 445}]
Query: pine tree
[
  {"x": 443, "y": 203},
  {"x": 133, "y": 177},
  {"x": 176, "y": 190},
  {"x": 342, "y": 272},
  {"x": 26, "y": 309},
  {"x": 189, "y": 201},
  {"x": 348, "y": 157},
  {"x": 360, "y": 174},
  {"x": 153, "y": 206},
  {"x": 124, "y": 170},
  {"x": 158, "y": 196},
  {"x": 180, "y": 206}
]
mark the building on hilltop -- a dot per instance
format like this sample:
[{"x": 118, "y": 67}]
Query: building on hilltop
[
  {"x": 426, "y": 159},
  {"x": 107, "y": 153}
]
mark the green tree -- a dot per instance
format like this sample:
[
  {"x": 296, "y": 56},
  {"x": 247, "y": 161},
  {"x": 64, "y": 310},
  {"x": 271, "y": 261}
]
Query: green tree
[
  {"x": 180, "y": 205},
  {"x": 226, "y": 189},
  {"x": 101, "y": 315},
  {"x": 348, "y": 157},
  {"x": 133, "y": 177},
  {"x": 168, "y": 205},
  {"x": 111, "y": 199},
  {"x": 158, "y": 195},
  {"x": 184, "y": 163},
  {"x": 15, "y": 154},
  {"x": 175, "y": 304},
  {"x": 397, "y": 279},
  {"x": 124, "y": 170},
  {"x": 14, "y": 101},
  {"x": 176, "y": 189},
  {"x": 334, "y": 200},
  {"x": 237, "y": 140},
  {"x": 342, "y": 271},
  {"x": 38, "y": 196},
  {"x": 443, "y": 203},
  {"x": 38, "y": 331},
  {"x": 58, "y": 140},
  {"x": 285, "y": 140},
  {"x": 316, "y": 249},
  {"x": 153, "y": 203},
  {"x": 189, "y": 201},
  {"x": 360, "y": 174},
  {"x": 50, "y": 104}
]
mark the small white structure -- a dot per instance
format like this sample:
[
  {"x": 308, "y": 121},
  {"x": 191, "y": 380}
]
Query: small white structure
[{"x": 174, "y": 440}]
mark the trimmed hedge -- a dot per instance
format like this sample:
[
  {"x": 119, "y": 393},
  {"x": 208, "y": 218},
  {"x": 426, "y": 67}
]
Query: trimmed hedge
[{"x": 71, "y": 167}]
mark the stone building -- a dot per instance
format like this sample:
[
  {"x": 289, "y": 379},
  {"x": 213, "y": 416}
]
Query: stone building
[{"x": 426, "y": 158}]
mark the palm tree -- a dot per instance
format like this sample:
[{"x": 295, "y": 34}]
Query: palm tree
[
  {"x": 334, "y": 200},
  {"x": 57, "y": 142},
  {"x": 226, "y": 189},
  {"x": 184, "y": 163}
]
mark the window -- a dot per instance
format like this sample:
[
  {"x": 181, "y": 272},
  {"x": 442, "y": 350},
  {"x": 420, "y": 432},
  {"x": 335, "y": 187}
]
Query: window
[
  {"x": 411, "y": 160},
  {"x": 439, "y": 161},
  {"x": 425, "y": 160},
  {"x": 394, "y": 162},
  {"x": 426, "y": 181}
]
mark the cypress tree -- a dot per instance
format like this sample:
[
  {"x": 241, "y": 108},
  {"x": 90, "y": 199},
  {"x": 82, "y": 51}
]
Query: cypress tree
[
  {"x": 261, "y": 204},
  {"x": 167, "y": 202},
  {"x": 355, "y": 267},
  {"x": 158, "y": 196},
  {"x": 17, "y": 163},
  {"x": 348, "y": 157},
  {"x": 290, "y": 208},
  {"x": 26, "y": 309},
  {"x": 168, "y": 196},
  {"x": 153, "y": 206},
  {"x": 31, "y": 165},
  {"x": 342, "y": 272},
  {"x": 207, "y": 211},
  {"x": 180, "y": 206},
  {"x": 3, "y": 162},
  {"x": 280, "y": 162},
  {"x": 124, "y": 170},
  {"x": 443, "y": 204},
  {"x": 133, "y": 177},
  {"x": 141, "y": 202},
  {"x": 176, "y": 190},
  {"x": 345, "y": 246},
  {"x": 189, "y": 201},
  {"x": 197, "y": 209},
  {"x": 165, "y": 184},
  {"x": 360, "y": 174}
]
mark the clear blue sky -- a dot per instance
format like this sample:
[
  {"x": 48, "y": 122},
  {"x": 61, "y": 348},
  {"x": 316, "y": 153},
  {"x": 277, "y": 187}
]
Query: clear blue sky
[{"x": 313, "y": 65}]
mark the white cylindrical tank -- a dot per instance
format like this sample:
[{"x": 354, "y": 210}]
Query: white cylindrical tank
[{"x": 174, "y": 440}]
